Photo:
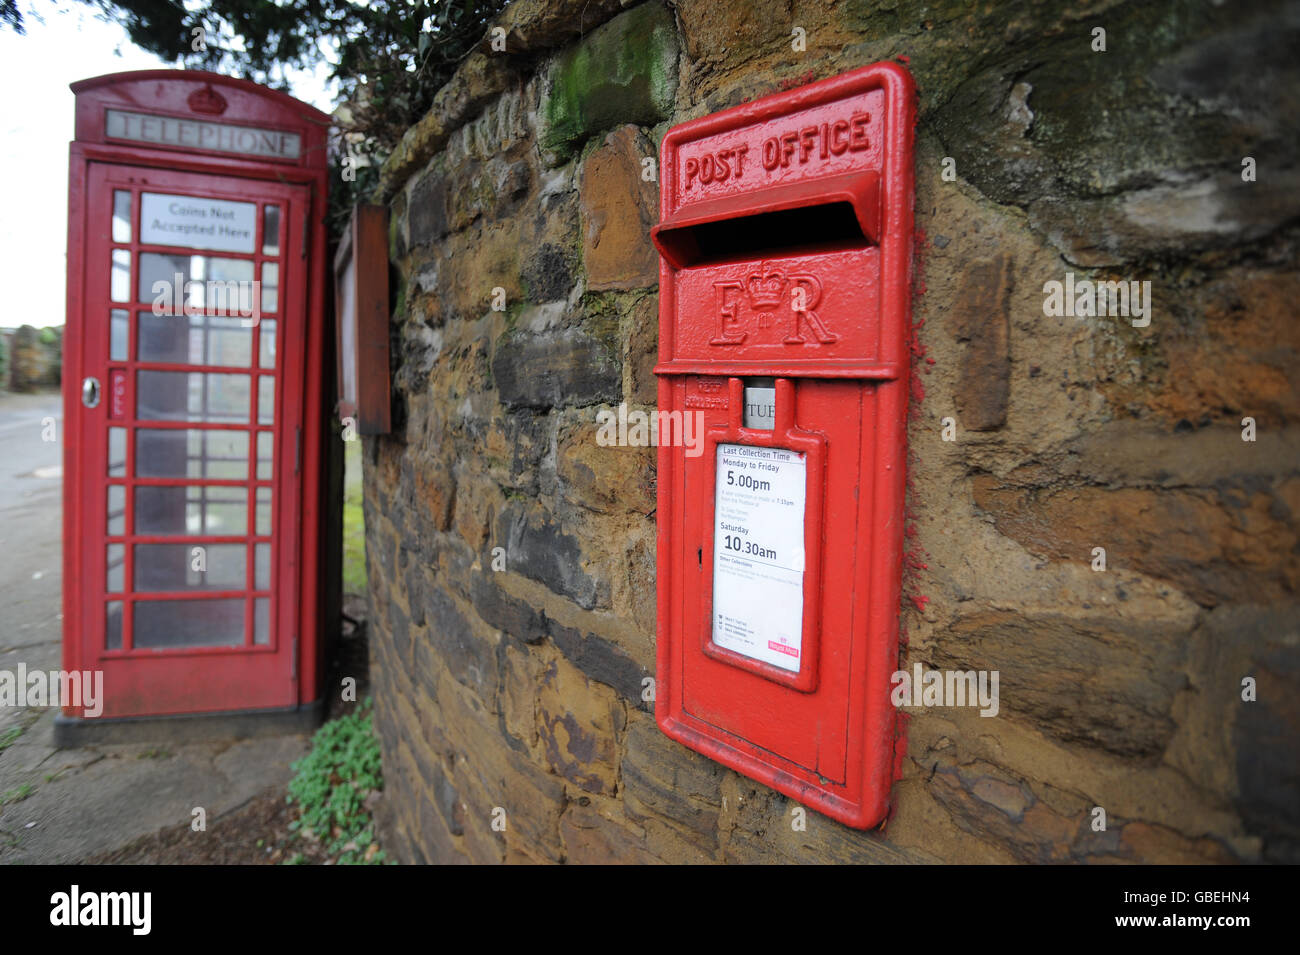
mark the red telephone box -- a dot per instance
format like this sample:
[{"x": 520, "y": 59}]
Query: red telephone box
[
  {"x": 193, "y": 397},
  {"x": 784, "y": 295}
]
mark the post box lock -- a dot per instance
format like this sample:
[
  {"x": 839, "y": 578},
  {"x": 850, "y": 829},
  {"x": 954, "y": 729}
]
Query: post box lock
[{"x": 785, "y": 239}]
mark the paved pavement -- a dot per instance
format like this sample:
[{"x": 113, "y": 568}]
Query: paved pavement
[{"x": 63, "y": 805}]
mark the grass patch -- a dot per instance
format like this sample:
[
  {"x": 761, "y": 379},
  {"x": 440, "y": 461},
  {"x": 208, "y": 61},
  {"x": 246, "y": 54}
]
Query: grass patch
[
  {"x": 10, "y": 736},
  {"x": 331, "y": 787},
  {"x": 354, "y": 522},
  {"x": 16, "y": 795}
]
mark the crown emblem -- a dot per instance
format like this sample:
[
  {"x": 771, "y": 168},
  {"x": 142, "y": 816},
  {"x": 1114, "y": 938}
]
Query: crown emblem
[
  {"x": 207, "y": 100},
  {"x": 765, "y": 289}
]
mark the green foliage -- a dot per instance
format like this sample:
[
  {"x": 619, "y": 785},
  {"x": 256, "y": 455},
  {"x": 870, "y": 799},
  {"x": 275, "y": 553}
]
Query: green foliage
[
  {"x": 396, "y": 53},
  {"x": 331, "y": 786},
  {"x": 16, "y": 795},
  {"x": 389, "y": 58},
  {"x": 354, "y": 522},
  {"x": 10, "y": 736}
]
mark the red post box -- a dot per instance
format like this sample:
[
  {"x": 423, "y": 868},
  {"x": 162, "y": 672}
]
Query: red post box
[
  {"x": 193, "y": 397},
  {"x": 786, "y": 236}
]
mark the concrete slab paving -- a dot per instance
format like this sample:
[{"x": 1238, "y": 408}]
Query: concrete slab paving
[{"x": 94, "y": 799}]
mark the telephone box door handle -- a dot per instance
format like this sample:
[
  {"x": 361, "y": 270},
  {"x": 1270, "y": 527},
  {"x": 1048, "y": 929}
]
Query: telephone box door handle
[{"x": 90, "y": 391}]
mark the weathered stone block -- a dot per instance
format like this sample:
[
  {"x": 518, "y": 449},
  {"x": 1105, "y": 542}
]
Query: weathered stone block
[
  {"x": 642, "y": 352},
  {"x": 982, "y": 320},
  {"x": 537, "y": 547},
  {"x": 600, "y": 660},
  {"x": 619, "y": 205},
  {"x": 1215, "y": 545},
  {"x": 596, "y": 832},
  {"x": 555, "y": 368},
  {"x": 623, "y": 72},
  {"x": 546, "y": 273},
  {"x": 608, "y": 479},
  {"x": 1095, "y": 680},
  {"x": 666, "y": 783},
  {"x": 504, "y": 612},
  {"x": 580, "y": 725},
  {"x": 468, "y": 657},
  {"x": 428, "y": 210}
]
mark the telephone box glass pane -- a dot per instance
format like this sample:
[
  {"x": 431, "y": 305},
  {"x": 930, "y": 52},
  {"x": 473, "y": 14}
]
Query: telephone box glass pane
[
  {"x": 113, "y": 625},
  {"x": 191, "y": 396},
  {"x": 270, "y": 286},
  {"x": 271, "y": 230},
  {"x": 261, "y": 621},
  {"x": 115, "y": 560},
  {"x": 191, "y": 453},
  {"x": 117, "y": 332},
  {"x": 200, "y": 281},
  {"x": 266, "y": 357},
  {"x": 200, "y": 509},
  {"x": 263, "y": 511},
  {"x": 117, "y": 452},
  {"x": 265, "y": 400},
  {"x": 162, "y": 567},
  {"x": 197, "y": 340},
  {"x": 121, "y": 216},
  {"x": 119, "y": 285},
  {"x": 262, "y": 566},
  {"x": 168, "y": 624},
  {"x": 265, "y": 446},
  {"x": 116, "y": 510}
]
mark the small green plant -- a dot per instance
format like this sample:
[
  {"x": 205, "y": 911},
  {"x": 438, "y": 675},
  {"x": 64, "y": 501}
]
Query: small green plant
[
  {"x": 10, "y": 736},
  {"x": 354, "y": 522},
  {"x": 331, "y": 786},
  {"x": 16, "y": 795}
]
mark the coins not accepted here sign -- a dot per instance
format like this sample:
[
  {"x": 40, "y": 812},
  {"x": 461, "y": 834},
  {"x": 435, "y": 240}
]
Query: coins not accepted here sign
[{"x": 758, "y": 548}]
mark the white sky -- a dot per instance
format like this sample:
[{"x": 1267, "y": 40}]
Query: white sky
[{"x": 36, "y": 125}]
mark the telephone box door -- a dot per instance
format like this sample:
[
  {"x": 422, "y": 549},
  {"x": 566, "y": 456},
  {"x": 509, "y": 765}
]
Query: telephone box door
[{"x": 187, "y": 470}]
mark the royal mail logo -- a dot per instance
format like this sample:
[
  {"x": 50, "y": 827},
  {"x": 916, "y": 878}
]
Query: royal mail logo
[{"x": 768, "y": 295}]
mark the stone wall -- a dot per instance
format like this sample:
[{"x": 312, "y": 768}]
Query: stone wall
[{"x": 512, "y": 560}]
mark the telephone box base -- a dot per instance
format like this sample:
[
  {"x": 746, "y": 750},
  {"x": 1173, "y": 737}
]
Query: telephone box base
[{"x": 71, "y": 732}]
